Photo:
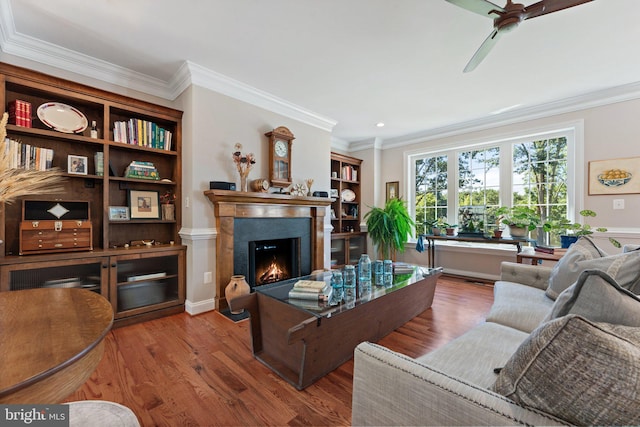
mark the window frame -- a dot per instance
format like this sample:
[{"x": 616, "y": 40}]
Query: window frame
[{"x": 572, "y": 131}]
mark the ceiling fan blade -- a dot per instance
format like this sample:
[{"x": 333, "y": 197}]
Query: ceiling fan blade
[
  {"x": 546, "y": 7},
  {"x": 483, "y": 51},
  {"x": 482, "y": 7}
]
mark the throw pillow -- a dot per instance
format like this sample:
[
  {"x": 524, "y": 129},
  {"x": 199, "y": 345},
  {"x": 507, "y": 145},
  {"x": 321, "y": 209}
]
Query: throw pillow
[
  {"x": 597, "y": 297},
  {"x": 583, "y": 372},
  {"x": 585, "y": 255}
]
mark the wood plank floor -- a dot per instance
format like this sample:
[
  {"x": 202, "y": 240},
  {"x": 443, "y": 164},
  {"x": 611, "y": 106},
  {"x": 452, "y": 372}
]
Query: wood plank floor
[{"x": 187, "y": 370}]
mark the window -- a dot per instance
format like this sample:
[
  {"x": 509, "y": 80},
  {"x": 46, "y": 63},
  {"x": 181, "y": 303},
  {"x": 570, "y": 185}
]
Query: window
[
  {"x": 430, "y": 191},
  {"x": 536, "y": 171},
  {"x": 478, "y": 188},
  {"x": 540, "y": 178}
]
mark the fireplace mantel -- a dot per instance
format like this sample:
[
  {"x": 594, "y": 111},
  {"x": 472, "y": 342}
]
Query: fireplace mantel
[{"x": 229, "y": 205}]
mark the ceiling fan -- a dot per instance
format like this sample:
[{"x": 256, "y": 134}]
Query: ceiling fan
[{"x": 507, "y": 18}]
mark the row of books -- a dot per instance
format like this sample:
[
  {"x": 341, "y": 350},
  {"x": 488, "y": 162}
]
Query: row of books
[
  {"x": 142, "y": 133},
  {"x": 26, "y": 156},
  {"x": 20, "y": 113},
  {"x": 141, "y": 170},
  {"x": 349, "y": 173},
  {"x": 314, "y": 290}
]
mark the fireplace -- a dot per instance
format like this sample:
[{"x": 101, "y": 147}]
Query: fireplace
[
  {"x": 241, "y": 218},
  {"x": 257, "y": 241},
  {"x": 273, "y": 260}
]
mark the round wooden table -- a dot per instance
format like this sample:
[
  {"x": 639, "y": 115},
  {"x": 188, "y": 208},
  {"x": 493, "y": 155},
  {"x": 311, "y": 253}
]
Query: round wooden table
[{"x": 51, "y": 341}]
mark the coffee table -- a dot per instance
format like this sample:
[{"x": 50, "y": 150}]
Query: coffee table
[{"x": 303, "y": 344}]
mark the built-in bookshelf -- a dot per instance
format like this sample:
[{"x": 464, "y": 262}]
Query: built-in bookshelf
[
  {"x": 124, "y": 244},
  {"x": 348, "y": 242}
]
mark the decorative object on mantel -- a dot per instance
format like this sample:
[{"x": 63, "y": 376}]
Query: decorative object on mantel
[
  {"x": 280, "y": 140},
  {"x": 167, "y": 201},
  {"x": 309, "y": 182},
  {"x": 243, "y": 164},
  {"x": 15, "y": 183},
  {"x": 298, "y": 190},
  {"x": 237, "y": 286},
  {"x": 260, "y": 185}
]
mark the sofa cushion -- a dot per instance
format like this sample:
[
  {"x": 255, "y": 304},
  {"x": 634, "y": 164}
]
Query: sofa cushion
[
  {"x": 597, "y": 297},
  {"x": 519, "y": 306},
  {"x": 474, "y": 355},
  {"x": 585, "y": 255},
  {"x": 584, "y": 372}
]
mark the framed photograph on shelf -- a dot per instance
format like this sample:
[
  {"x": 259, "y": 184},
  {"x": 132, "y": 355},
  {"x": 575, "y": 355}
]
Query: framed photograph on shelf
[
  {"x": 144, "y": 204},
  {"x": 615, "y": 176},
  {"x": 76, "y": 165},
  {"x": 119, "y": 213},
  {"x": 393, "y": 190},
  {"x": 334, "y": 193}
]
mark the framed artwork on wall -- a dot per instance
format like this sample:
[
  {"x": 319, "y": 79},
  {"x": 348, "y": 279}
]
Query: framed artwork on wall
[
  {"x": 393, "y": 190},
  {"x": 614, "y": 176},
  {"x": 144, "y": 204}
]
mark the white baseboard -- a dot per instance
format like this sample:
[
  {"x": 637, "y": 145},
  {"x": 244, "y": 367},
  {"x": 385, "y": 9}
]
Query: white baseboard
[{"x": 199, "y": 307}]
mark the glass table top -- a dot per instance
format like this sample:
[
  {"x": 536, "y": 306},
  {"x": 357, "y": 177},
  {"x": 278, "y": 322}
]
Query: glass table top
[{"x": 404, "y": 275}]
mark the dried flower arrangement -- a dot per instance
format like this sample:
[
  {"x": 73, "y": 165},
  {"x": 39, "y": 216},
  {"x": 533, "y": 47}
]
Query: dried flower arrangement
[
  {"x": 15, "y": 183},
  {"x": 243, "y": 164},
  {"x": 168, "y": 198}
]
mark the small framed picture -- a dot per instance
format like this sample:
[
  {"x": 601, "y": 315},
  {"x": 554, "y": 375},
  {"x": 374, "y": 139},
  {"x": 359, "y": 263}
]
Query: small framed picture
[
  {"x": 393, "y": 190},
  {"x": 119, "y": 213},
  {"x": 144, "y": 204},
  {"x": 76, "y": 165},
  {"x": 334, "y": 193}
]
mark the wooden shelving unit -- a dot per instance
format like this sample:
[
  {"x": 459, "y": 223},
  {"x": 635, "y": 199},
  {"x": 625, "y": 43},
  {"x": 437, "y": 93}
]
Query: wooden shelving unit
[
  {"x": 113, "y": 255},
  {"x": 348, "y": 242}
]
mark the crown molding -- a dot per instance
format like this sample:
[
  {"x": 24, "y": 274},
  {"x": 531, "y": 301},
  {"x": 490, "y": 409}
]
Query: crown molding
[
  {"x": 15, "y": 43},
  {"x": 20, "y": 45},
  {"x": 339, "y": 144},
  {"x": 209, "y": 79},
  {"x": 599, "y": 98}
]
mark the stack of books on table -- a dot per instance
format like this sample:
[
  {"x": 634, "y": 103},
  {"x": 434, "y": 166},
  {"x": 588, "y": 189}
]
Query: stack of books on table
[
  {"x": 545, "y": 249},
  {"x": 311, "y": 290}
]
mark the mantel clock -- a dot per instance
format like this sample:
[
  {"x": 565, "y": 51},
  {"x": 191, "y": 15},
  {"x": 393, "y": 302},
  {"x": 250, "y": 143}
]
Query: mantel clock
[{"x": 280, "y": 140}]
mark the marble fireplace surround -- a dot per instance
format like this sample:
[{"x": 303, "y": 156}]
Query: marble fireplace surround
[{"x": 229, "y": 205}]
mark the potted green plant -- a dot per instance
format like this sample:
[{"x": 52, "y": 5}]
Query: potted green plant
[
  {"x": 520, "y": 219},
  {"x": 450, "y": 229},
  {"x": 390, "y": 227},
  {"x": 570, "y": 232},
  {"x": 437, "y": 225}
]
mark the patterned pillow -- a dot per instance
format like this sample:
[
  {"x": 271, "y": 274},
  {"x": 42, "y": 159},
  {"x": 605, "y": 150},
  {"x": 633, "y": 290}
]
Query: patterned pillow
[
  {"x": 585, "y": 255},
  {"x": 583, "y": 372},
  {"x": 597, "y": 297}
]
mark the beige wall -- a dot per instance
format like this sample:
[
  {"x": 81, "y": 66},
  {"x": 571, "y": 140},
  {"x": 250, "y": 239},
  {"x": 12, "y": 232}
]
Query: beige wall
[
  {"x": 213, "y": 124},
  {"x": 610, "y": 132}
]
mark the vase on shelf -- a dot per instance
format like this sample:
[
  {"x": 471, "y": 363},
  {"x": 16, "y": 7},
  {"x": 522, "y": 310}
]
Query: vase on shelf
[
  {"x": 237, "y": 286},
  {"x": 168, "y": 212},
  {"x": 243, "y": 183}
]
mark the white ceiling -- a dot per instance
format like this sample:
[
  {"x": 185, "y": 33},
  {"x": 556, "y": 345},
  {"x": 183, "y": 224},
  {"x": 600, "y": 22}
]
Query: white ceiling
[{"x": 357, "y": 62}]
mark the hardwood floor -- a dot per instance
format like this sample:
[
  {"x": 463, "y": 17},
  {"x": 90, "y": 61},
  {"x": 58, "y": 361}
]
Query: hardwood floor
[{"x": 187, "y": 370}]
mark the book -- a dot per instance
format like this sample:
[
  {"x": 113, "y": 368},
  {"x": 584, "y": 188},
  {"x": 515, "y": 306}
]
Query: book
[
  {"x": 544, "y": 249},
  {"x": 317, "y": 285},
  {"x": 312, "y": 290},
  {"x": 323, "y": 296}
]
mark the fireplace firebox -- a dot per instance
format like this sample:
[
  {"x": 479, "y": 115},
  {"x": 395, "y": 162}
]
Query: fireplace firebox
[{"x": 273, "y": 260}]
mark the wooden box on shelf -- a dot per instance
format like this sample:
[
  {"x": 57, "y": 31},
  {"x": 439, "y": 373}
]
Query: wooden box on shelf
[{"x": 55, "y": 226}]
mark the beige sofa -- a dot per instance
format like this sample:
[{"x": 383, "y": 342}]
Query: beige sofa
[{"x": 456, "y": 384}]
